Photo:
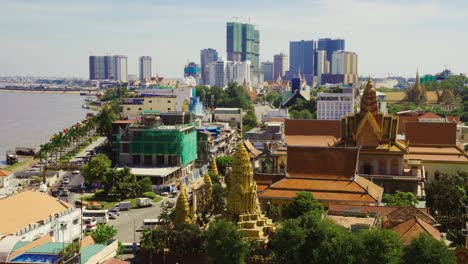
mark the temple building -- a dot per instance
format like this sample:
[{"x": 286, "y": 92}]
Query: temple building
[
  {"x": 242, "y": 202},
  {"x": 382, "y": 156},
  {"x": 419, "y": 95}
]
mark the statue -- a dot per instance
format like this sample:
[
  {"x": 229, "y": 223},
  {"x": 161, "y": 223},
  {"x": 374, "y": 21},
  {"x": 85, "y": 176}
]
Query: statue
[
  {"x": 182, "y": 207},
  {"x": 214, "y": 167}
]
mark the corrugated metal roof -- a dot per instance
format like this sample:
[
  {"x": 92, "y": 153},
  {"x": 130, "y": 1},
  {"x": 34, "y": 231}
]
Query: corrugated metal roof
[
  {"x": 51, "y": 247},
  {"x": 20, "y": 244},
  {"x": 89, "y": 251}
]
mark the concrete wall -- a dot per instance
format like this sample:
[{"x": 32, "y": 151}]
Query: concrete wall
[
  {"x": 162, "y": 104},
  {"x": 70, "y": 231},
  {"x": 108, "y": 252}
]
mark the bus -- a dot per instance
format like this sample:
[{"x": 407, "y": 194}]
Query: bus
[
  {"x": 151, "y": 223},
  {"x": 101, "y": 216}
]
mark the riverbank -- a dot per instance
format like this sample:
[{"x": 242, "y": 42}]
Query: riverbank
[{"x": 46, "y": 92}]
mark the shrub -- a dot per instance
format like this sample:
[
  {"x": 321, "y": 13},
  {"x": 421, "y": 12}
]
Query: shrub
[
  {"x": 150, "y": 195},
  {"x": 100, "y": 193}
]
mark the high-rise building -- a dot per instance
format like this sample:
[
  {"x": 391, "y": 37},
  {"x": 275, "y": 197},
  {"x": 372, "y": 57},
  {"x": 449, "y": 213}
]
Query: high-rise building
[
  {"x": 345, "y": 63},
  {"x": 145, "y": 68},
  {"x": 221, "y": 73},
  {"x": 301, "y": 59},
  {"x": 207, "y": 56},
  {"x": 192, "y": 69},
  {"x": 108, "y": 67},
  {"x": 120, "y": 68},
  {"x": 243, "y": 43},
  {"x": 96, "y": 68},
  {"x": 280, "y": 65},
  {"x": 321, "y": 65},
  {"x": 268, "y": 70},
  {"x": 330, "y": 45},
  {"x": 333, "y": 106}
]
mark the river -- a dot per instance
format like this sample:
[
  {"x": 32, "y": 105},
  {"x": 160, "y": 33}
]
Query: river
[{"x": 29, "y": 119}]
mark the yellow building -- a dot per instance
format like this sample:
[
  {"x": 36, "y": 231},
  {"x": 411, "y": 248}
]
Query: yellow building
[{"x": 132, "y": 107}]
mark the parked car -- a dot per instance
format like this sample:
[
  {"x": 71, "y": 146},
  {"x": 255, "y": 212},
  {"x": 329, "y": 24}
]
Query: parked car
[
  {"x": 115, "y": 210},
  {"x": 55, "y": 193},
  {"x": 76, "y": 172},
  {"x": 112, "y": 215},
  {"x": 66, "y": 180},
  {"x": 65, "y": 193},
  {"x": 90, "y": 223}
]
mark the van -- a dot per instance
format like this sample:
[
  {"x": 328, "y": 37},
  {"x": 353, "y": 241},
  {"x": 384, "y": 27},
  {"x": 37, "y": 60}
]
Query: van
[
  {"x": 125, "y": 206},
  {"x": 151, "y": 223},
  {"x": 129, "y": 248}
]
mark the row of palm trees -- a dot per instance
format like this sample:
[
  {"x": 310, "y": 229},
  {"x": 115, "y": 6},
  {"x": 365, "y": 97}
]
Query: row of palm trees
[{"x": 71, "y": 137}]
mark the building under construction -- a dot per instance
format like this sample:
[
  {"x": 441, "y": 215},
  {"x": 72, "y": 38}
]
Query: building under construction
[{"x": 151, "y": 148}]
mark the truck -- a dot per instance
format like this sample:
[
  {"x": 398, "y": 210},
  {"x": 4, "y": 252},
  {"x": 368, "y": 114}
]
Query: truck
[
  {"x": 144, "y": 202},
  {"x": 125, "y": 206}
]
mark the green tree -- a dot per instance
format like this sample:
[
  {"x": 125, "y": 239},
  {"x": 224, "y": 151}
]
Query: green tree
[
  {"x": 96, "y": 169},
  {"x": 303, "y": 203},
  {"x": 222, "y": 163},
  {"x": 425, "y": 249},
  {"x": 225, "y": 243},
  {"x": 303, "y": 114},
  {"x": 144, "y": 185},
  {"x": 186, "y": 240},
  {"x": 105, "y": 119},
  {"x": 249, "y": 121},
  {"x": 400, "y": 199},
  {"x": 219, "y": 196},
  {"x": 122, "y": 184},
  {"x": 103, "y": 233},
  {"x": 274, "y": 98},
  {"x": 381, "y": 246},
  {"x": 446, "y": 195},
  {"x": 286, "y": 243}
]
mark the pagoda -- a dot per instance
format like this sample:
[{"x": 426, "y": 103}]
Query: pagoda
[{"x": 242, "y": 198}]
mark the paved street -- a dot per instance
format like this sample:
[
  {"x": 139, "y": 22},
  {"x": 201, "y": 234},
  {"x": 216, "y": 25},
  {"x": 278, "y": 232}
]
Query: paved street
[
  {"x": 100, "y": 141},
  {"x": 261, "y": 110},
  {"x": 129, "y": 222}
]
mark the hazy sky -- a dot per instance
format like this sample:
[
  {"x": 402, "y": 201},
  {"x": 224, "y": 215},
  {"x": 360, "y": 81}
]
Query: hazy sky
[{"x": 55, "y": 38}]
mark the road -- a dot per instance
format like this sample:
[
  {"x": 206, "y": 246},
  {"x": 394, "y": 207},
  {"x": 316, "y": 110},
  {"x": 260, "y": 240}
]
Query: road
[
  {"x": 98, "y": 142},
  {"x": 261, "y": 110},
  {"x": 129, "y": 223}
]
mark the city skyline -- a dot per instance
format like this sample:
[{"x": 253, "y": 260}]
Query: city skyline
[{"x": 53, "y": 38}]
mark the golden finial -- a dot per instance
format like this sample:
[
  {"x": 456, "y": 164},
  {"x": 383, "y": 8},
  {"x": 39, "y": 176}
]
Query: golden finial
[{"x": 214, "y": 167}]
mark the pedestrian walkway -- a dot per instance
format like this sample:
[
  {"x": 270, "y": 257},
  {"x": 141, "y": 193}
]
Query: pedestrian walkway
[{"x": 98, "y": 142}]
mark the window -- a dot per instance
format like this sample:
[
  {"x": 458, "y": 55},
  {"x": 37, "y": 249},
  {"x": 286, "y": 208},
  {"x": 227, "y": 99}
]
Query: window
[
  {"x": 150, "y": 101},
  {"x": 128, "y": 109},
  {"x": 76, "y": 221},
  {"x": 169, "y": 101},
  {"x": 139, "y": 109},
  {"x": 168, "y": 109}
]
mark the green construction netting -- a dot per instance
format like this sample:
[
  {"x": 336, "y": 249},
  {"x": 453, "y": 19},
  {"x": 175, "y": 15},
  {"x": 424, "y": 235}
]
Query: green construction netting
[{"x": 166, "y": 142}]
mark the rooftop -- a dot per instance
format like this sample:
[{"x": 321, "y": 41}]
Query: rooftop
[
  {"x": 431, "y": 133},
  {"x": 412, "y": 228},
  {"x": 153, "y": 172},
  {"x": 27, "y": 207},
  {"x": 4, "y": 173}
]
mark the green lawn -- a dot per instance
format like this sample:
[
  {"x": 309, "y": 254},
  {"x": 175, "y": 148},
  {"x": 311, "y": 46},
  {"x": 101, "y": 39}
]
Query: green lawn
[
  {"x": 108, "y": 204},
  {"x": 13, "y": 166}
]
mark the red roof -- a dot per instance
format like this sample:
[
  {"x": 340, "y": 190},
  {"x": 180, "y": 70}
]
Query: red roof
[
  {"x": 455, "y": 119},
  {"x": 430, "y": 115},
  {"x": 4, "y": 173},
  {"x": 431, "y": 133}
]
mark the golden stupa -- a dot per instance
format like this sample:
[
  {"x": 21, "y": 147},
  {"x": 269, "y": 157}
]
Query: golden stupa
[
  {"x": 242, "y": 198},
  {"x": 182, "y": 209}
]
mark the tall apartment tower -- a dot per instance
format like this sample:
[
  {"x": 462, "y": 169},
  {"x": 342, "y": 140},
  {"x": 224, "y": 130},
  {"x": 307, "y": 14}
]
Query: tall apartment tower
[
  {"x": 280, "y": 65},
  {"x": 120, "y": 68},
  {"x": 207, "y": 56},
  {"x": 145, "y": 68},
  {"x": 268, "y": 69},
  {"x": 345, "y": 63},
  {"x": 329, "y": 46},
  {"x": 301, "y": 59},
  {"x": 96, "y": 68},
  {"x": 321, "y": 65},
  {"x": 243, "y": 43}
]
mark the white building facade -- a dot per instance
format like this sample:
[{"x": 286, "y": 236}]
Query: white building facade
[
  {"x": 180, "y": 93},
  {"x": 120, "y": 68},
  {"x": 333, "y": 106},
  {"x": 221, "y": 73},
  {"x": 322, "y": 65}
]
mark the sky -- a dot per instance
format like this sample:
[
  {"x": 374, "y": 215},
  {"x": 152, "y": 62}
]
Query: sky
[{"x": 391, "y": 37}]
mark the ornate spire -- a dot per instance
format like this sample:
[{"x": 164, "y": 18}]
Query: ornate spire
[
  {"x": 417, "y": 84},
  {"x": 369, "y": 99},
  {"x": 242, "y": 189},
  {"x": 214, "y": 167},
  {"x": 208, "y": 198},
  {"x": 182, "y": 207}
]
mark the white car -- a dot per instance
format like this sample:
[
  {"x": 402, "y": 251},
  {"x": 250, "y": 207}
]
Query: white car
[
  {"x": 76, "y": 172},
  {"x": 112, "y": 216},
  {"x": 66, "y": 180}
]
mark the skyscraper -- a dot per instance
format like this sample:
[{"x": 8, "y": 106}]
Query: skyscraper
[
  {"x": 223, "y": 72},
  {"x": 330, "y": 45},
  {"x": 207, "y": 56},
  {"x": 268, "y": 70},
  {"x": 243, "y": 43},
  {"x": 96, "y": 68},
  {"x": 321, "y": 65},
  {"x": 345, "y": 63},
  {"x": 280, "y": 65},
  {"x": 108, "y": 67},
  {"x": 301, "y": 59},
  {"x": 145, "y": 68},
  {"x": 120, "y": 68}
]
